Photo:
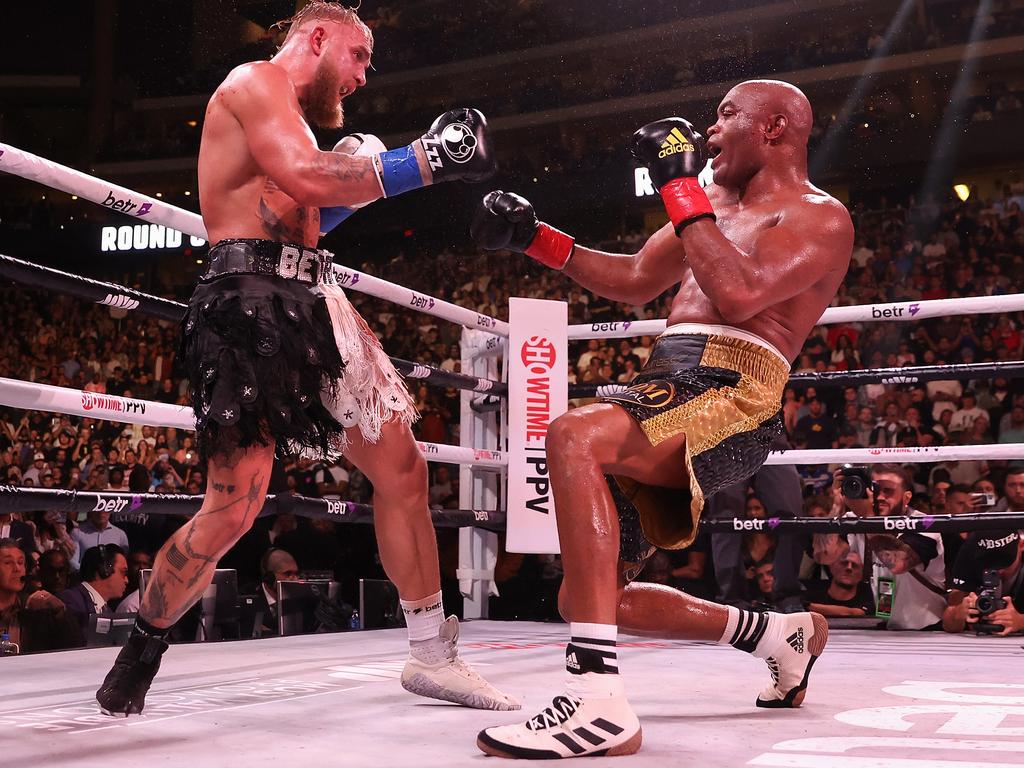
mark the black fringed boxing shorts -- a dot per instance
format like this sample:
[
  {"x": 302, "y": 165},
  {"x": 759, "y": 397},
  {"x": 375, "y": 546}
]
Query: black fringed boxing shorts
[{"x": 266, "y": 342}]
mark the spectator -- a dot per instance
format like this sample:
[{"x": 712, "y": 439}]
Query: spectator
[
  {"x": 104, "y": 574},
  {"x": 138, "y": 561},
  {"x": 847, "y": 594},
  {"x": 276, "y": 565},
  {"x": 1013, "y": 491},
  {"x": 957, "y": 502},
  {"x": 1013, "y": 432},
  {"x": 887, "y": 428},
  {"x": 34, "y": 473},
  {"x": 54, "y": 571},
  {"x": 999, "y": 553},
  {"x": 964, "y": 416},
  {"x": 96, "y": 530},
  {"x": 441, "y": 494},
  {"x": 865, "y": 425},
  {"x": 764, "y": 585},
  {"x": 21, "y": 532},
  {"x": 36, "y": 622},
  {"x": 909, "y": 572},
  {"x": 51, "y": 533},
  {"x": 138, "y": 475},
  {"x": 819, "y": 428}
]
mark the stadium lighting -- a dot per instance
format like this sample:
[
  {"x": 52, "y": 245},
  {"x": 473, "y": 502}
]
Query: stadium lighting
[
  {"x": 962, "y": 191},
  {"x": 947, "y": 140},
  {"x": 836, "y": 134}
]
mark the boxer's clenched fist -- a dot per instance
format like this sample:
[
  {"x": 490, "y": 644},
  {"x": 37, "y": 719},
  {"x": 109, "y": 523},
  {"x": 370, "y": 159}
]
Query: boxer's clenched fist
[
  {"x": 507, "y": 220},
  {"x": 675, "y": 153},
  {"x": 458, "y": 148}
]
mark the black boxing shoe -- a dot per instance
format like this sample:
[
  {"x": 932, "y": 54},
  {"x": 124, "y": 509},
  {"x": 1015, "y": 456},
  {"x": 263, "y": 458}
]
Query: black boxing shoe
[{"x": 124, "y": 688}]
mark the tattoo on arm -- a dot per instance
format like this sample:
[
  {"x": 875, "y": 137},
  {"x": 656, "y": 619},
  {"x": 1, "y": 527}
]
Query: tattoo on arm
[{"x": 344, "y": 167}]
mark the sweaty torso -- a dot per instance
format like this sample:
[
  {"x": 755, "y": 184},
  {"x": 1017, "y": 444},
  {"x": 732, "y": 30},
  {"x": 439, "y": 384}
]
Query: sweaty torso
[
  {"x": 236, "y": 198},
  {"x": 784, "y": 325}
]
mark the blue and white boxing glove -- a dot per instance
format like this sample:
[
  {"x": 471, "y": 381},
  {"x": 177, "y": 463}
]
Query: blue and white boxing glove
[{"x": 365, "y": 144}]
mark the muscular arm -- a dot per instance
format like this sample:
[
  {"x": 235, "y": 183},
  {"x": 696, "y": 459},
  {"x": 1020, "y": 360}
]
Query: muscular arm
[
  {"x": 262, "y": 99},
  {"x": 635, "y": 279},
  {"x": 809, "y": 241}
]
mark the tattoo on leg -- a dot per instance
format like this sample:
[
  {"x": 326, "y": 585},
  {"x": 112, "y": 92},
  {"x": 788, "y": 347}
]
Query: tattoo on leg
[
  {"x": 175, "y": 588},
  {"x": 176, "y": 559}
]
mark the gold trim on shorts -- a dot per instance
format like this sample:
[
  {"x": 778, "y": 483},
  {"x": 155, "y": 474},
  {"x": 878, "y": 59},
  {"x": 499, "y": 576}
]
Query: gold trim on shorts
[{"x": 707, "y": 421}]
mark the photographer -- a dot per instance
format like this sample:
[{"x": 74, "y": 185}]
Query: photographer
[
  {"x": 988, "y": 585},
  {"x": 907, "y": 569}
]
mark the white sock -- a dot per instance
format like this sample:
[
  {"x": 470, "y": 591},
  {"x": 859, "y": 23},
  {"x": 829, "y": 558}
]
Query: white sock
[
  {"x": 759, "y": 634},
  {"x": 423, "y": 617},
  {"x": 591, "y": 661}
]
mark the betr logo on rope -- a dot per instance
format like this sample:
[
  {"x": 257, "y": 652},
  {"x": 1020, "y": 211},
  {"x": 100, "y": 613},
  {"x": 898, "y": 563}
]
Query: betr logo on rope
[{"x": 126, "y": 206}]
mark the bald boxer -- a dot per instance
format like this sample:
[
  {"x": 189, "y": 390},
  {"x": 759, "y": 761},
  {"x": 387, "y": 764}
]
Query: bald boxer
[
  {"x": 758, "y": 256},
  {"x": 279, "y": 361}
]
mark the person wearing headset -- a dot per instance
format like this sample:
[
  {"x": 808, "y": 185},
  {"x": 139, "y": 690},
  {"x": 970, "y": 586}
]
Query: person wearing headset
[
  {"x": 276, "y": 565},
  {"x": 104, "y": 573}
]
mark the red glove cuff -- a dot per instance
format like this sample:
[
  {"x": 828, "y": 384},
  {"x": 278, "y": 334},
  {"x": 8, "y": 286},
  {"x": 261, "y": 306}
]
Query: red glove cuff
[
  {"x": 686, "y": 202},
  {"x": 551, "y": 247}
]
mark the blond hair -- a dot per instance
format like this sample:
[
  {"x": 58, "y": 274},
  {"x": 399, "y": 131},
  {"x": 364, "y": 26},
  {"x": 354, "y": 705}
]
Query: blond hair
[{"x": 317, "y": 10}]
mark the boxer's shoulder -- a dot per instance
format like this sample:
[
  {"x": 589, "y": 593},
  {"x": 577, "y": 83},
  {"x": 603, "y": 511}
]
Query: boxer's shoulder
[{"x": 253, "y": 79}]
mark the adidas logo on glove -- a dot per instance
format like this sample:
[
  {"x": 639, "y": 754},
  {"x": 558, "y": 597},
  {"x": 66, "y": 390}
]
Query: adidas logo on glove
[{"x": 675, "y": 142}]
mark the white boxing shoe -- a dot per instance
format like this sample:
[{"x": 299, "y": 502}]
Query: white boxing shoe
[
  {"x": 804, "y": 637},
  {"x": 570, "y": 727},
  {"x": 435, "y": 670}
]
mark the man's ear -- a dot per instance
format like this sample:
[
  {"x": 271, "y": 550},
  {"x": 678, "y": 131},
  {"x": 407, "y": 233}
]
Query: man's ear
[
  {"x": 775, "y": 127},
  {"x": 316, "y": 39}
]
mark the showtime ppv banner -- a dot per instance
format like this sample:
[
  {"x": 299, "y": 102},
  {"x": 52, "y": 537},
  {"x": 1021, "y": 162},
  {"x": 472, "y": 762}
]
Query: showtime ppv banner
[{"x": 538, "y": 356}]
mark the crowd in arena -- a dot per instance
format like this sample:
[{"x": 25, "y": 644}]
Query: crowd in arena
[{"x": 903, "y": 253}]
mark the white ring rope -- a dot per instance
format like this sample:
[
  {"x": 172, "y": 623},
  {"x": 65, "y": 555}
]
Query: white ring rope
[
  {"x": 117, "y": 198},
  {"x": 905, "y": 311},
  {"x": 45, "y": 397},
  {"x": 913, "y": 455}
]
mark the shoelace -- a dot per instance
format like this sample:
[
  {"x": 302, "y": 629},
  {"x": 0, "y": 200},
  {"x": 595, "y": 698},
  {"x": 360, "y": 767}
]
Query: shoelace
[
  {"x": 773, "y": 667},
  {"x": 561, "y": 709}
]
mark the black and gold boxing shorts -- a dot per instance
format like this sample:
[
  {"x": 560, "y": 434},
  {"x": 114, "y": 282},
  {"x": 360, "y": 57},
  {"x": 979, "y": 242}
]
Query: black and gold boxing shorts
[{"x": 722, "y": 389}]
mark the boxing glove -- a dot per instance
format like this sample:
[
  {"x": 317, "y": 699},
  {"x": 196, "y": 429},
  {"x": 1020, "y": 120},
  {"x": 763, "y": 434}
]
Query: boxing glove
[
  {"x": 456, "y": 146},
  {"x": 675, "y": 154},
  {"x": 507, "y": 220},
  {"x": 365, "y": 144}
]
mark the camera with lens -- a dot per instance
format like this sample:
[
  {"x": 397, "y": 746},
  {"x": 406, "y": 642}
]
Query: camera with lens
[
  {"x": 856, "y": 481},
  {"x": 990, "y": 600}
]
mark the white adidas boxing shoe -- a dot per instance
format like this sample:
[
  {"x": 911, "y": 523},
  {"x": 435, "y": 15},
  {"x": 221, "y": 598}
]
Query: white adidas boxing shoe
[
  {"x": 570, "y": 727},
  {"x": 435, "y": 670},
  {"x": 803, "y": 640}
]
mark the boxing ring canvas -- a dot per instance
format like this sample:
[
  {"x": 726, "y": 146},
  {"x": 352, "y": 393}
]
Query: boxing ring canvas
[{"x": 876, "y": 700}]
